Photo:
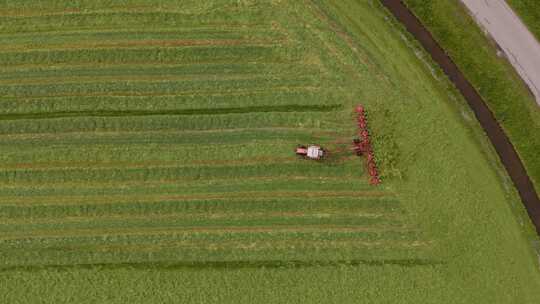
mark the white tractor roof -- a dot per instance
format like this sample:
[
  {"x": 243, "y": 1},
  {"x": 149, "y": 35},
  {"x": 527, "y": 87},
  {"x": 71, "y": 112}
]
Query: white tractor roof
[{"x": 314, "y": 152}]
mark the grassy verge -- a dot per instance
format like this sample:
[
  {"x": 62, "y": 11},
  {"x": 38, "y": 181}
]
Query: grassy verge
[
  {"x": 529, "y": 11},
  {"x": 492, "y": 76}
]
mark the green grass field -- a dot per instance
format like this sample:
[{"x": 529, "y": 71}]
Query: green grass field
[
  {"x": 529, "y": 11},
  {"x": 146, "y": 155}
]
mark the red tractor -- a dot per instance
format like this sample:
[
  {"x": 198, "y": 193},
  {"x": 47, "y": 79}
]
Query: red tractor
[{"x": 311, "y": 152}]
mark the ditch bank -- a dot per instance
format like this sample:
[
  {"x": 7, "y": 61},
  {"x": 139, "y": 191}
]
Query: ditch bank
[{"x": 508, "y": 155}]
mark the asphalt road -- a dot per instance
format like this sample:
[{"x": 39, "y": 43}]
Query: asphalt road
[{"x": 519, "y": 45}]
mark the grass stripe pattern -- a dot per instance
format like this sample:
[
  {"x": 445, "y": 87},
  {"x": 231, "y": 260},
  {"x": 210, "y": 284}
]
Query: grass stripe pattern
[{"x": 122, "y": 144}]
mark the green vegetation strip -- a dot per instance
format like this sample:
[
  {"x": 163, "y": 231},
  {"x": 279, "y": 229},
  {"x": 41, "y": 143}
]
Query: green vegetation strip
[{"x": 529, "y": 12}]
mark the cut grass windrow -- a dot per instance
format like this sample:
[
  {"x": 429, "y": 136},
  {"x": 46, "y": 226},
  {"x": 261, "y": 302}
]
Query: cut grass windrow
[
  {"x": 156, "y": 87},
  {"x": 168, "y": 122},
  {"x": 167, "y": 37},
  {"x": 190, "y": 135},
  {"x": 67, "y": 73},
  {"x": 280, "y": 183},
  {"x": 230, "y": 136},
  {"x": 30, "y": 8},
  {"x": 295, "y": 168},
  {"x": 212, "y": 111},
  {"x": 200, "y": 222},
  {"x": 159, "y": 155},
  {"x": 180, "y": 55},
  {"x": 194, "y": 31},
  {"x": 198, "y": 100},
  {"x": 153, "y": 87},
  {"x": 216, "y": 234},
  {"x": 153, "y": 43},
  {"x": 251, "y": 195},
  {"x": 202, "y": 218},
  {"x": 208, "y": 93},
  {"x": 198, "y": 207},
  {"x": 129, "y": 19}
]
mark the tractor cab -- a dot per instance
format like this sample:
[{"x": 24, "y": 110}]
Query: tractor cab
[{"x": 311, "y": 152}]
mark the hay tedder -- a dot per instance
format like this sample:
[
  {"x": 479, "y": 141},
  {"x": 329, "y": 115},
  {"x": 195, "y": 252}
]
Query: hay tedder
[{"x": 360, "y": 145}]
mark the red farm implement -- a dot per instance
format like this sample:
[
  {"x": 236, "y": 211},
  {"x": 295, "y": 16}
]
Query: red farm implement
[{"x": 362, "y": 146}]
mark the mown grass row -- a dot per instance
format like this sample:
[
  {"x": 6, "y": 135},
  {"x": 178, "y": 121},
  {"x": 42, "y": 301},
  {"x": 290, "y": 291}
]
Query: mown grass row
[
  {"x": 148, "y": 87},
  {"x": 140, "y": 43},
  {"x": 180, "y": 154},
  {"x": 317, "y": 120},
  {"x": 146, "y": 173},
  {"x": 179, "y": 112},
  {"x": 198, "y": 205},
  {"x": 128, "y": 19},
  {"x": 284, "y": 101},
  {"x": 203, "y": 238},
  {"x": 65, "y": 73},
  {"x": 198, "y": 238},
  {"x": 148, "y": 55},
  {"x": 54, "y": 40},
  {"x": 281, "y": 183},
  {"x": 189, "y": 6},
  {"x": 11, "y": 229},
  {"x": 205, "y": 208},
  {"x": 231, "y": 136}
]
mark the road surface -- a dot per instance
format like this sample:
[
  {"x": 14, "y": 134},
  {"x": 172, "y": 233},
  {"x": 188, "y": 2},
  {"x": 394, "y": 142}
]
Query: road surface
[{"x": 519, "y": 45}]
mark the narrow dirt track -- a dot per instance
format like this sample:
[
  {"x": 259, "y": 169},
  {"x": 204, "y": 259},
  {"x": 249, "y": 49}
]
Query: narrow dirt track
[{"x": 496, "y": 135}]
